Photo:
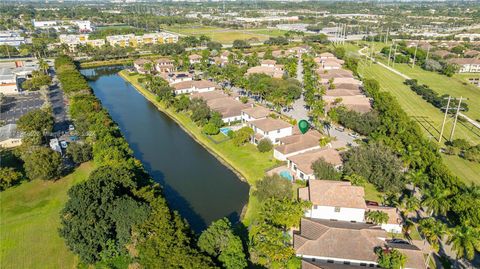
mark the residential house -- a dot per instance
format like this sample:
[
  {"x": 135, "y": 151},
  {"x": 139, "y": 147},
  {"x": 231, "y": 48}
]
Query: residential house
[
  {"x": 228, "y": 106},
  {"x": 331, "y": 64},
  {"x": 268, "y": 63},
  {"x": 255, "y": 113},
  {"x": 268, "y": 67},
  {"x": 297, "y": 144},
  {"x": 337, "y": 244},
  {"x": 139, "y": 65},
  {"x": 326, "y": 75},
  {"x": 466, "y": 65},
  {"x": 442, "y": 53},
  {"x": 472, "y": 53},
  {"x": 358, "y": 103},
  {"x": 9, "y": 136},
  {"x": 194, "y": 58},
  {"x": 176, "y": 77},
  {"x": 163, "y": 65},
  {"x": 301, "y": 164},
  {"x": 187, "y": 87},
  {"x": 395, "y": 221},
  {"x": 272, "y": 129}
]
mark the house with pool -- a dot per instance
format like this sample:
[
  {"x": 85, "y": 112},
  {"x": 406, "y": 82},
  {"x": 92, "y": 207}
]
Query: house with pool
[
  {"x": 227, "y": 105},
  {"x": 269, "y": 128},
  {"x": 296, "y": 144},
  {"x": 301, "y": 164}
]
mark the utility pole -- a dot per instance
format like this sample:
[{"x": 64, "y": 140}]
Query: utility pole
[
  {"x": 389, "y": 54},
  {"x": 415, "y": 55},
  {"x": 456, "y": 118},
  {"x": 428, "y": 52},
  {"x": 444, "y": 119},
  {"x": 394, "y": 55},
  {"x": 386, "y": 36}
]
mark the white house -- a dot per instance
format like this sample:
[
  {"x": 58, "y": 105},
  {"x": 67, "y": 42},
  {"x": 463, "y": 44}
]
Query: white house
[
  {"x": 394, "y": 223},
  {"x": 186, "y": 87},
  {"x": 228, "y": 106},
  {"x": 334, "y": 200},
  {"x": 301, "y": 164},
  {"x": 139, "y": 65},
  {"x": 296, "y": 144},
  {"x": 194, "y": 58},
  {"x": 273, "y": 129},
  {"x": 164, "y": 65},
  {"x": 255, "y": 113},
  {"x": 337, "y": 244},
  {"x": 467, "y": 65},
  {"x": 176, "y": 77}
]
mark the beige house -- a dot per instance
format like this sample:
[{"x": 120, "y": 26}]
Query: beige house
[
  {"x": 255, "y": 113},
  {"x": 466, "y": 65},
  {"x": 301, "y": 164},
  {"x": 190, "y": 86},
  {"x": 164, "y": 65},
  {"x": 297, "y": 144}
]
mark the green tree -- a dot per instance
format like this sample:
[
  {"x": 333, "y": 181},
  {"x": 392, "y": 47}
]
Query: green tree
[
  {"x": 242, "y": 136},
  {"x": 390, "y": 258},
  {"x": 9, "y": 177},
  {"x": 269, "y": 245},
  {"x": 264, "y": 145},
  {"x": 433, "y": 230},
  {"x": 210, "y": 129},
  {"x": 464, "y": 240},
  {"x": 240, "y": 44},
  {"x": 219, "y": 241},
  {"x": 284, "y": 213},
  {"x": 324, "y": 170},
  {"x": 42, "y": 163},
  {"x": 79, "y": 152},
  {"x": 102, "y": 210},
  {"x": 200, "y": 111},
  {"x": 35, "y": 124},
  {"x": 273, "y": 187},
  {"x": 377, "y": 217}
]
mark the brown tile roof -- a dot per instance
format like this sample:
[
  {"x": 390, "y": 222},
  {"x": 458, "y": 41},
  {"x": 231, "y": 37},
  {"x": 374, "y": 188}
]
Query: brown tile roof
[
  {"x": 324, "y": 265},
  {"x": 269, "y": 124},
  {"x": 392, "y": 212},
  {"x": 199, "y": 84},
  {"x": 299, "y": 142},
  {"x": 164, "y": 61},
  {"x": 441, "y": 53},
  {"x": 257, "y": 112},
  {"x": 336, "y": 73},
  {"x": 227, "y": 106},
  {"x": 347, "y": 86},
  {"x": 194, "y": 57},
  {"x": 336, "y": 193},
  {"x": 335, "y": 239},
  {"x": 208, "y": 95},
  {"x": 346, "y": 80},
  {"x": 342, "y": 92},
  {"x": 304, "y": 160},
  {"x": 472, "y": 53},
  {"x": 267, "y": 70},
  {"x": 326, "y": 55},
  {"x": 141, "y": 61},
  {"x": 269, "y": 62},
  {"x": 461, "y": 61},
  {"x": 359, "y": 103}
]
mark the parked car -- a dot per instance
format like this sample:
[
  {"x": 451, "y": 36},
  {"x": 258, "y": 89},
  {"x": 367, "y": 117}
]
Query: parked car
[
  {"x": 354, "y": 135},
  {"x": 340, "y": 128},
  {"x": 63, "y": 144},
  {"x": 71, "y": 127}
]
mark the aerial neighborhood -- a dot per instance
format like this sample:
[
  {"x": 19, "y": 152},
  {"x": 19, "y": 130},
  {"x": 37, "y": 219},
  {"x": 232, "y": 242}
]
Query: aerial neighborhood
[{"x": 263, "y": 134}]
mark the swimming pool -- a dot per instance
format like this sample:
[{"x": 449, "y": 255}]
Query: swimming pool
[
  {"x": 225, "y": 130},
  {"x": 286, "y": 174}
]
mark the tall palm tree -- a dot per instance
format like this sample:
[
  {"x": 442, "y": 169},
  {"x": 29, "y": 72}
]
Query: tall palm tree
[
  {"x": 377, "y": 217},
  {"x": 327, "y": 125},
  {"x": 436, "y": 200},
  {"x": 43, "y": 65},
  {"x": 433, "y": 230},
  {"x": 464, "y": 240},
  {"x": 410, "y": 204}
]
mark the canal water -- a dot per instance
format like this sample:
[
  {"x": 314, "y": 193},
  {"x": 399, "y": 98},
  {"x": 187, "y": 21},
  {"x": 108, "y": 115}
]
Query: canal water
[{"x": 195, "y": 183}]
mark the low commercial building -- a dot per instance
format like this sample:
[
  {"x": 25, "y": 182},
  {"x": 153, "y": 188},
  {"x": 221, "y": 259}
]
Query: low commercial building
[
  {"x": 297, "y": 144},
  {"x": 11, "y": 72},
  {"x": 339, "y": 244},
  {"x": 466, "y": 65},
  {"x": 11, "y": 38},
  {"x": 187, "y": 87},
  {"x": 301, "y": 164},
  {"x": 8, "y": 81},
  {"x": 9, "y": 136},
  {"x": 272, "y": 129}
]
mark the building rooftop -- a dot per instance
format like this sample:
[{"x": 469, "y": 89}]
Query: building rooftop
[
  {"x": 392, "y": 212},
  {"x": 334, "y": 193},
  {"x": 269, "y": 124},
  {"x": 299, "y": 142},
  {"x": 462, "y": 61},
  {"x": 305, "y": 160},
  {"x": 257, "y": 112},
  {"x": 208, "y": 95},
  {"x": 199, "y": 84}
]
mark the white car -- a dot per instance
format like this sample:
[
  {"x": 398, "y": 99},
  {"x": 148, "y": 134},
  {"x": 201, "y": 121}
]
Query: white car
[
  {"x": 63, "y": 144},
  {"x": 71, "y": 127},
  {"x": 354, "y": 135}
]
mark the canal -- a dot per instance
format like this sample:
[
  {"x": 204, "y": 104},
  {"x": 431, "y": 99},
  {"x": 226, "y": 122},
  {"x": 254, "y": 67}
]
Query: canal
[{"x": 195, "y": 183}]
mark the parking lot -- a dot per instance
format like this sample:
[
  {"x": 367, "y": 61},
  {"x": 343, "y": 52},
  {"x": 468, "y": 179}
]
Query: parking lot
[{"x": 18, "y": 105}]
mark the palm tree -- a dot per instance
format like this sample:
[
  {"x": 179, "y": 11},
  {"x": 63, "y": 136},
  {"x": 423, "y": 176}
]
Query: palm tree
[
  {"x": 436, "y": 200},
  {"x": 327, "y": 125},
  {"x": 410, "y": 204},
  {"x": 464, "y": 240},
  {"x": 433, "y": 230},
  {"x": 43, "y": 65},
  {"x": 377, "y": 217}
]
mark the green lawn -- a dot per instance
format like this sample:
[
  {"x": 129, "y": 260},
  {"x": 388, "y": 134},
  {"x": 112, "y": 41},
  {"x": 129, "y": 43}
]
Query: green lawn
[
  {"x": 226, "y": 35},
  {"x": 247, "y": 160},
  {"x": 30, "y": 221},
  {"x": 427, "y": 116}
]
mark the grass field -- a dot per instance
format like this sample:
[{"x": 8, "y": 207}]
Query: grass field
[
  {"x": 428, "y": 117},
  {"x": 225, "y": 35},
  {"x": 247, "y": 160},
  {"x": 30, "y": 221}
]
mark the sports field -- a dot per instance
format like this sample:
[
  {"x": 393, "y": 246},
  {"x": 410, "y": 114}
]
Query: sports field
[
  {"x": 30, "y": 221},
  {"x": 225, "y": 35}
]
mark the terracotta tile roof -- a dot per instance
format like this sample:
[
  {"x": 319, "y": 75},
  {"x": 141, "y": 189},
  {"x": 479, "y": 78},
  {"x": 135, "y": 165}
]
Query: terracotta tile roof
[
  {"x": 335, "y": 239},
  {"x": 342, "y": 92},
  {"x": 269, "y": 62},
  {"x": 392, "y": 212},
  {"x": 472, "y": 53},
  {"x": 346, "y": 80},
  {"x": 441, "y": 53},
  {"x": 299, "y": 142},
  {"x": 257, "y": 112},
  {"x": 347, "y": 86},
  {"x": 326, "y": 55},
  {"x": 208, "y": 95},
  {"x": 141, "y": 61},
  {"x": 275, "y": 72},
  {"x": 461, "y": 61},
  {"x": 336, "y": 193},
  {"x": 359, "y": 103},
  {"x": 199, "y": 84},
  {"x": 304, "y": 160},
  {"x": 227, "y": 106},
  {"x": 164, "y": 61},
  {"x": 336, "y": 73},
  {"x": 269, "y": 124},
  {"x": 194, "y": 57},
  {"x": 324, "y": 265}
]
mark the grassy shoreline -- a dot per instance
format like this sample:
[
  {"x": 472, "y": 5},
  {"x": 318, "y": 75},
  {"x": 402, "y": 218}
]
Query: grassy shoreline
[{"x": 249, "y": 164}]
